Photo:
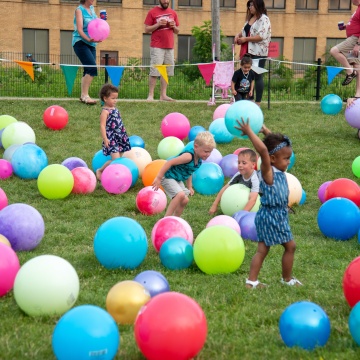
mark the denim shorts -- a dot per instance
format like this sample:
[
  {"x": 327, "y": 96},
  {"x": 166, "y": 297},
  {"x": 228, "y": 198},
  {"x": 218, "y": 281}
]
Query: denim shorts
[{"x": 87, "y": 55}]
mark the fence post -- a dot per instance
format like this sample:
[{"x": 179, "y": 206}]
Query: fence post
[
  {"x": 269, "y": 77},
  {"x": 318, "y": 77},
  {"x": 106, "y": 57}
]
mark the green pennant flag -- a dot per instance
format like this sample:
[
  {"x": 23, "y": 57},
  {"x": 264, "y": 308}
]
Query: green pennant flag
[{"x": 70, "y": 75}]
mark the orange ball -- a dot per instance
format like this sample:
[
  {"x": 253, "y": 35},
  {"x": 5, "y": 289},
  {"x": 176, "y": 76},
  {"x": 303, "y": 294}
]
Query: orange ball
[{"x": 151, "y": 170}]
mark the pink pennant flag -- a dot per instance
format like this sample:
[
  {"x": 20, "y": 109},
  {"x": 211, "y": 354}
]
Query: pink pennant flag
[{"x": 207, "y": 71}]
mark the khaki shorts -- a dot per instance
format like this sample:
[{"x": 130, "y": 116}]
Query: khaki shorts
[
  {"x": 346, "y": 46},
  {"x": 161, "y": 57},
  {"x": 173, "y": 187}
]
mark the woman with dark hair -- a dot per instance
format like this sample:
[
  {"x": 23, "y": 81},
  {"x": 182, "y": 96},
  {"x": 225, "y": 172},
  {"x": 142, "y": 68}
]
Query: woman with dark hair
[
  {"x": 254, "y": 39},
  {"x": 85, "y": 47}
]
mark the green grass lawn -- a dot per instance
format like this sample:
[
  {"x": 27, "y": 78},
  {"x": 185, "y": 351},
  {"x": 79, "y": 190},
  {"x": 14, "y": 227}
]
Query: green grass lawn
[{"x": 242, "y": 323}]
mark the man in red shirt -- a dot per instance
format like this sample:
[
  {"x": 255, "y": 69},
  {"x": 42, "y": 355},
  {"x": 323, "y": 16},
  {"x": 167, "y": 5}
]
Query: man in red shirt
[
  {"x": 162, "y": 23},
  {"x": 347, "y": 52}
]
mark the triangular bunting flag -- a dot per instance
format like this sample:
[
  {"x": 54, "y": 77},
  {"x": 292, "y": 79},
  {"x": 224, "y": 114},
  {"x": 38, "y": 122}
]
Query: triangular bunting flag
[
  {"x": 207, "y": 71},
  {"x": 115, "y": 74},
  {"x": 332, "y": 72},
  {"x": 70, "y": 76},
  {"x": 162, "y": 70},
  {"x": 28, "y": 67}
]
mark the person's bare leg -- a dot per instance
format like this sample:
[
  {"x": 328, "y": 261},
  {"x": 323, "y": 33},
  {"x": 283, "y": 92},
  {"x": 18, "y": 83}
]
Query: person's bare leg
[
  {"x": 101, "y": 169},
  {"x": 288, "y": 260},
  {"x": 257, "y": 261},
  {"x": 179, "y": 210},
  {"x": 174, "y": 203},
  {"x": 357, "y": 68},
  {"x": 163, "y": 88},
  {"x": 341, "y": 58},
  {"x": 152, "y": 83},
  {"x": 85, "y": 85}
]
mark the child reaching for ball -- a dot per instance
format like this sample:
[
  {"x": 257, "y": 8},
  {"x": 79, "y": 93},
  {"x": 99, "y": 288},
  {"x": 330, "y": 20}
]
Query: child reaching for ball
[
  {"x": 179, "y": 169},
  {"x": 246, "y": 176},
  {"x": 113, "y": 132},
  {"x": 272, "y": 221}
]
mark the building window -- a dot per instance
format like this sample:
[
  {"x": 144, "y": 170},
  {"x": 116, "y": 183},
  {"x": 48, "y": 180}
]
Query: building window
[
  {"x": 36, "y": 42},
  {"x": 146, "y": 49},
  {"x": 307, "y": 4},
  {"x": 197, "y": 3},
  {"x": 304, "y": 49},
  {"x": 330, "y": 42},
  {"x": 67, "y": 54},
  {"x": 228, "y": 4},
  {"x": 185, "y": 46},
  {"x": 339, "y": 4},
  {"x": 113, "y": 57},
  {"x": 109, "y": 1},
  {"x": 280, "y": 41},
  {"x": 275, "y": 4},
  {"x": 150, "y": 2}
]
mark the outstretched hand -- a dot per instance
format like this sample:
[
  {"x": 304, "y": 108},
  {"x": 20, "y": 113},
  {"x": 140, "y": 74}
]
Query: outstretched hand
[{"x": 244, "y": 126}]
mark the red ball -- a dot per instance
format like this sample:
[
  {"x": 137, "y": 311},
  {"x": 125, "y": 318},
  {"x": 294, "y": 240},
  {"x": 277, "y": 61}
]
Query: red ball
[
  {"x": 344, "y": 188},
  {"x": 151, "y": 202},
  {"x": 351, "y": 282},
  {"x": 84, "y": 181},
  {"x": 55, "y": 117},
  {"x": 170, "y": 326}
]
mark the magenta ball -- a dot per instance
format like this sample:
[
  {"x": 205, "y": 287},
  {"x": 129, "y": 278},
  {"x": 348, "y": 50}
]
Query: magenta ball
[
  {"x": 229, "y": 165},
  {"x": 352, "y": 114},
  {"x": 6, "y": 169},
  {"x": 168, "y": 227},
  {"x": 247, "y": 226},
  {"x": 225, "y": 220},
  {"x": 22, "y": 225},
  {"x": 84, "y": 180},
  {"x": 3, "y": 199},
  {"x": 322, "y": 190},
  {"x": 9, "y": 266},
  {"x": 55, "y": 117},
  {"x": 98, "y": 29},
  {"x": 175, "y": 124},
  {"x": 150, "y": 201},
  {"x": 74, "y": 162},
  {"x": 220, "y": 111},
  {"x": 215, "y": 157},
  {"x": 116, "y": 179}
]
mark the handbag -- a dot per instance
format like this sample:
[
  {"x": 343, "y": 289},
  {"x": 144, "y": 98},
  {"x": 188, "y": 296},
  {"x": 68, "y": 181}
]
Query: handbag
[{"x": 243, "y": 50}]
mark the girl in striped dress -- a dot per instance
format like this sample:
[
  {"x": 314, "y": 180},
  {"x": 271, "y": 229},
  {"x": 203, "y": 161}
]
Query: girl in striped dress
[{"x": 272, "y": 221}]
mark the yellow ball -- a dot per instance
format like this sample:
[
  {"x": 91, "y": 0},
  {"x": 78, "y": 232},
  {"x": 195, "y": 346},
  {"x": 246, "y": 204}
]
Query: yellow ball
[
  {"x": 125, "y": 299},
  {"x": 4, "y": 240},
  {"x": 295, "y": 189}
]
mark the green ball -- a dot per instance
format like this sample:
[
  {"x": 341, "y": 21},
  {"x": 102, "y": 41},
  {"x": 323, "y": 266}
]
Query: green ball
[
  {"x": 55, "y": 182},
  {"x": 234, "y": 199},
  {"x": 17, "y": 132},
  {"x": 219, "y": 250},
  {"x": 356, "y": 167},
  {"x": 169, "y": 146},
  {"x": 6, "y": 120}
]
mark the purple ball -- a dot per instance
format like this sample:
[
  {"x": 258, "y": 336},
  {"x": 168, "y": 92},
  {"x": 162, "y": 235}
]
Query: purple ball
[
  {"x": 74, "y": 162},
  {"x": 352, "y": 114},
  {"x": 239, "y": 215},
  {"x": 229, "y": 165},
  {"x": 247, "y": 226},
  {"x": 215, "y": 157},
  {"x": 22, "y": 225},
  {"x": 153, "y": 281},
  {"x": 321, "y": 191}
]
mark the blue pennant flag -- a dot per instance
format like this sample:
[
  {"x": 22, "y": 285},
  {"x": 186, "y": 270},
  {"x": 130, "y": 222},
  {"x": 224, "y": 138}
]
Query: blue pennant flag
[
  {"x": 332, "y": 72},
  {"x": 115, "y": 73}
]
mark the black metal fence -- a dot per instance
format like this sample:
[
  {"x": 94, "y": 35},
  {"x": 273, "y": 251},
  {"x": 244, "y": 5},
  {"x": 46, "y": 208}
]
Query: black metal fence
[{"x": 285, "y": 81}]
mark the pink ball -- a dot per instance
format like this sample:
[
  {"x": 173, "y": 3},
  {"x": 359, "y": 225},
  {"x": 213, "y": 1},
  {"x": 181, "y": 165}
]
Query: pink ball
[
  {"x": 220, "y": 111},
  {"x": 84, "y": 180},
  {"x": 226, "y": 221},
  {"x": 6, "y": 169},
  {"x": 236, "y": 152},
  {"x": 98, "y": 29},
  {"x": 322, "y": 190},
  {"x": 116, "y": 179},
  {"x": 3, "y": 199},
  {"x": 55, "y": 117},
  {"x": 150, "y": 202},
  {"x": 168, "y": 227},
  {"x": 175, "y": 124},
  {"x": 9, "y": 266}
]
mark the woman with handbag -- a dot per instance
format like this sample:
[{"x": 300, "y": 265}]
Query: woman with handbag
[{"x": 254, "y": 39}]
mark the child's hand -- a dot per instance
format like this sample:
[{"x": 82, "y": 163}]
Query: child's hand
[
  {"x": 234, "y": 92},
  {"x": 250, "y": 93},
  {"x": 244, "y": 126},
  {"x": 213, "y": 209},
  {"x": 156, "y": 184},
  {"x": 192, "y": 191},
  {"x": 106, "y": 142}
]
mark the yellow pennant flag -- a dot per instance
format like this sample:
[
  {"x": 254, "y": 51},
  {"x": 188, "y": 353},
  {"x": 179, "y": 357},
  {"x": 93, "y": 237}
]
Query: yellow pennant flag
[
  {"x": 28, "y": 67},
  {"x": 162, "y": 70}
]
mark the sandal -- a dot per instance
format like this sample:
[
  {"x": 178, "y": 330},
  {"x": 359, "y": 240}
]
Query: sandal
[
  {"x": 254, "y": 284},
  {"x": 349, "y": 78},
  {"x": 291, "y": 282},
  {"x": 88, "y": 100}
]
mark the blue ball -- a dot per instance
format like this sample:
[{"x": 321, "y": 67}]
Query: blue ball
[
  {"x": 153, "y": 281},
  {"x": 292, "y": 161},
  {"x": 303, "y": 197},
  {"x": 208, "y": 179},
  {"x": 354, "y": 323},
  {"x": 86, "y": 332},
  {"x": 245, "y": 109},
  {"x": 339, "y": 218},
  {"x": 189, "y": 145},
  {"x": 136, "y": 141},
  {"x": 28, "y": 161},
  {"x": 220, "y": 132},
  {"x": 120, "y": 243},
  {"x": 130, "y": 164},
  {"x": 194, "y": 131},
  {"x": 304, "y": 324},
  {"x": 176, "y": 253},
  {"x": 239, "y": 215},
  {"x": 99, "y": 160},
  {"x": 331, "y": 104}
]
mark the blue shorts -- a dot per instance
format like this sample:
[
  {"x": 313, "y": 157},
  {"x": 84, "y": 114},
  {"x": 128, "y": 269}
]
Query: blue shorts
[{"x": 87, "y": 55}]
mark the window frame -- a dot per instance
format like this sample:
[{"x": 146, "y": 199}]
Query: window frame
[
  {"x": 189, "y": 4},
  {"x": 272, "y": 7},
  {"x": 306, "y": 5},
  {"x": 338, "y": 8},
  {"x": 222, "y": 6}
]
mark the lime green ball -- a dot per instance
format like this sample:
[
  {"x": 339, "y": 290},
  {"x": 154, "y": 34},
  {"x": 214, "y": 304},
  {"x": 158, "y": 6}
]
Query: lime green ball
[
  {"x": 17, "y": 132},
  {"x": 169, "y": 146},
  {"x": 5, "y": 120},
  {"x": 55, "y": 182},
  {"x": 219, "y": 250},
  {"x": 356, "y": 167}
]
